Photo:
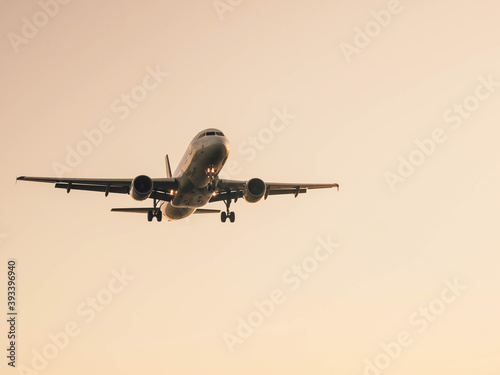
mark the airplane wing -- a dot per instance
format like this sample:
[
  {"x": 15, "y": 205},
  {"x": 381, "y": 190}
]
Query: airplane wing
[
  {"x": 235, "y": 189},
  {"x": 161, "y": 186}
]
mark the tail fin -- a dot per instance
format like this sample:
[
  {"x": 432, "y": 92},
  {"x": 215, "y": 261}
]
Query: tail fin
[{"x": 167, "y": 164}]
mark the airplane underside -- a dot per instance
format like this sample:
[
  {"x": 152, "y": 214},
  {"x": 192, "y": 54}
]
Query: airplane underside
[
  {"x": 176, "y": 213},
  {"x": 194, "y": 184}
]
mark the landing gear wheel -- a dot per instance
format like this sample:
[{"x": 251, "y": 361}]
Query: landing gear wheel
[
  {"x": 159, "y": 216},
  {"x": 223, "y": 217},
  {"x": 232, "y": 217},
  {"x": 150, "y": 215}
]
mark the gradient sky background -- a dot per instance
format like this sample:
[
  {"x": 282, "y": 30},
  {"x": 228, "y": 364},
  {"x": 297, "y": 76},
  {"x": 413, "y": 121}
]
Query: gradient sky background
[{"x": 194, "y": 278}]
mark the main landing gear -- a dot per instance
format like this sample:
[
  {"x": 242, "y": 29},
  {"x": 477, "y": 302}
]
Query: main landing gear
[
  {"x": 224, "y": 216},
  {"x": 155, "y": 212},
  {"x": 228, "y": 214},
  {"x": 158, "y": 215}
]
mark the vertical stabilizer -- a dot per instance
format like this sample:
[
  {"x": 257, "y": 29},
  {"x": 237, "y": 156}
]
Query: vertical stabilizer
[{"x": 167, "y": 164}]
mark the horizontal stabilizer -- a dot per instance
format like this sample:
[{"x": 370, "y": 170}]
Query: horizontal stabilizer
[
  {"x": 205, "y": 211},
  {"x": 144, "y": 210},
  {"x": 133, "y": 210}
]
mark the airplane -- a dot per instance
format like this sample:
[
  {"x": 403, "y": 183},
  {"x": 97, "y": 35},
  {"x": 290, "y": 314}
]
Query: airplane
[{"x": 193, "y": 185}]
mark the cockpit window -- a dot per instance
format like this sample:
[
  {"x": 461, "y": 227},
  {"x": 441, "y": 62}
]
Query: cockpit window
[{"x": 221, "y": 134}]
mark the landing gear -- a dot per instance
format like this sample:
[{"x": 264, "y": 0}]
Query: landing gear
[
  {"x": 155, "y": 212},
  {"x": 224, "y": 216},
  {"x": 212, "y": 186},
  {"x": 228, "y": 214}
]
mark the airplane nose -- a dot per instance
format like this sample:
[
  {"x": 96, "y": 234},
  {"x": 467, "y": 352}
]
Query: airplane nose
[
  {"x": 228, "y": 146},
  {"x": 218, "y": 148},
  {"x": 223, "y": 145}
]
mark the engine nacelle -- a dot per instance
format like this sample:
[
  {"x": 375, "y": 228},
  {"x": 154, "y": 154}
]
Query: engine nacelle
[
  {"x": 142, "y": 187},
  {"x": 255, "y": 190}
]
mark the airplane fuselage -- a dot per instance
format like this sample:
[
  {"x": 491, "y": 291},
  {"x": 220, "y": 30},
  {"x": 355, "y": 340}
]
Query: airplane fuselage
[{"x": 202, "y": 162}]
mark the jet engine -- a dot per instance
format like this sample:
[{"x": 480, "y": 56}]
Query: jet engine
[
  {"x": 142, "y": 187},
  {"x": 254, "y": 190}
]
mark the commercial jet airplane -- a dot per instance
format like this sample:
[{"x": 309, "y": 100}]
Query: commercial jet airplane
[{"x": 194, "y": 184}]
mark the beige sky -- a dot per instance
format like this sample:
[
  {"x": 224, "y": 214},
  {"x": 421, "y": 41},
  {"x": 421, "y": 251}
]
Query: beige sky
[{"x": 427, "y": 75}]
